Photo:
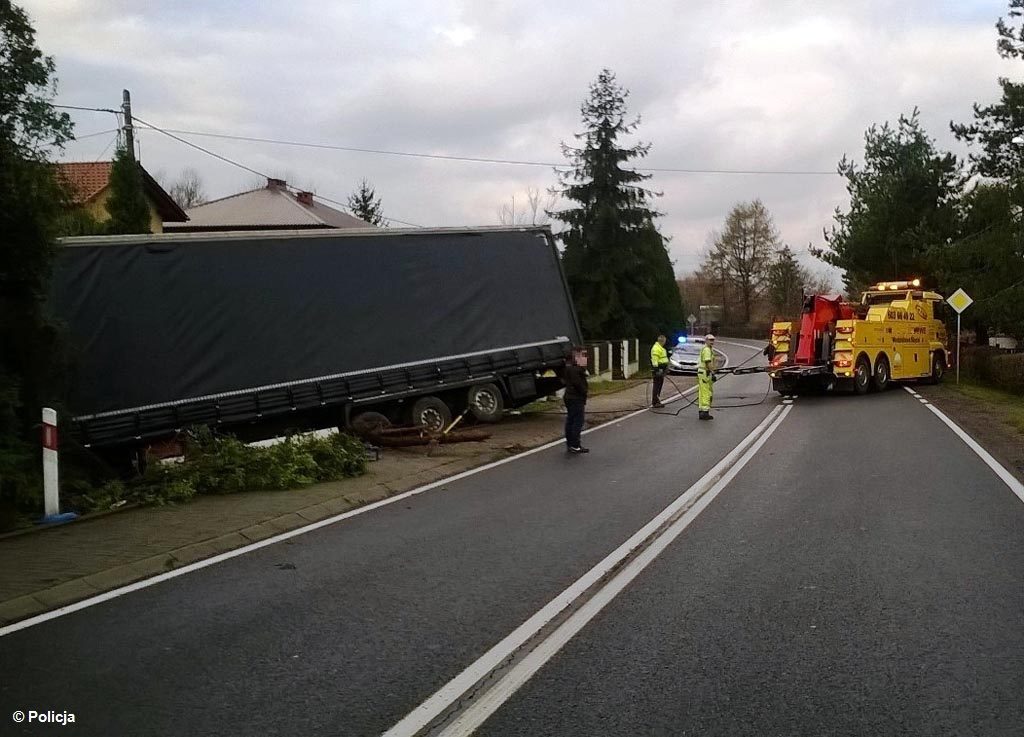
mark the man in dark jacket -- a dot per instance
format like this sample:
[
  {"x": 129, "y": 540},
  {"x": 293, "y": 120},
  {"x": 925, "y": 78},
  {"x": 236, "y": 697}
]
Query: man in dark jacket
[{"x": 575, "y": 378}]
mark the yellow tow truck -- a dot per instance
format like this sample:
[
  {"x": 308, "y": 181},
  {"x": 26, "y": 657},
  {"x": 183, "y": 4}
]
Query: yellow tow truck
[{"x": 895, "y": 333}]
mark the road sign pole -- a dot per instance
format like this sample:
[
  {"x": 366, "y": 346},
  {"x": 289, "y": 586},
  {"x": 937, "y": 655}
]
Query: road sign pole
[
  {"x": 958, "y": 348},
  {"x": 959, "y": 301}
]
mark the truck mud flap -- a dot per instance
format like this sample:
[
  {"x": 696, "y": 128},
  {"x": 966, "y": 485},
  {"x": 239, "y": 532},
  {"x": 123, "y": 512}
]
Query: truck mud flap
[{"x": 522, "y": 386}]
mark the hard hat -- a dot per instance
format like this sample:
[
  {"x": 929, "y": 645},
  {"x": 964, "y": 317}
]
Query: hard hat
[{"x": 709, "y": 336}]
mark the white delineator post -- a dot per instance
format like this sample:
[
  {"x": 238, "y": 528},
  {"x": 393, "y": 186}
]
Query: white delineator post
[{"x": 51, "y": 497}]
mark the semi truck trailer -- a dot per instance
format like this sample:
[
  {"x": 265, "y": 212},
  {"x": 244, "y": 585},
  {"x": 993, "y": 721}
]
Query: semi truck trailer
[{"x": 261, "y": 332}]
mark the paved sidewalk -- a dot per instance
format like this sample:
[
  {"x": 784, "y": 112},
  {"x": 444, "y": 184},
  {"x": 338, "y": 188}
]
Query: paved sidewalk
[{"x": 50, "y": 568}]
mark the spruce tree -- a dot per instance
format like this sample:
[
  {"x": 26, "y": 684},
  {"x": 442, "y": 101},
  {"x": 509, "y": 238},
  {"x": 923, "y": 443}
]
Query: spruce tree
[
  {"x": 615, "y": 260},
  {"x": 366, "y": 206},
  {"x": 787, "y": 281},
  {"x": 127, "y": 205}
]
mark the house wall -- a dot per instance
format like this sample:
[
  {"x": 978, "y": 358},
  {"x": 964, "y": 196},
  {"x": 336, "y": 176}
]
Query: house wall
[{"x": 97, "y": 207}]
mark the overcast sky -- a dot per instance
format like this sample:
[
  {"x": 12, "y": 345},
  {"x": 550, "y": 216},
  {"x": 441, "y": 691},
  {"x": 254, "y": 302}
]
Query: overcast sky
[{"x": 748, "y": 84}]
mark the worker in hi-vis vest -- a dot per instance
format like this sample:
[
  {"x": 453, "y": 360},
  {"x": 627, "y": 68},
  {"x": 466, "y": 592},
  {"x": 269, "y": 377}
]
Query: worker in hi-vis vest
[
  {"x": 706, "y": 378},
  {"x": 659, "y": 367}
]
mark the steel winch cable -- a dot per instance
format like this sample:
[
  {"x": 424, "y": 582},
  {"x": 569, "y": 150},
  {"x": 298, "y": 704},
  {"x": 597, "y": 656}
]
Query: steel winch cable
[
  {"x": 679, "y": 393},
  {"x": 696, "y": 398}
]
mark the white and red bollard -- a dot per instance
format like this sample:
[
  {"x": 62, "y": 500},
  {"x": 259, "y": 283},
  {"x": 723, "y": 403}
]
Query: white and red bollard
[{"x": 51, "y": 478}]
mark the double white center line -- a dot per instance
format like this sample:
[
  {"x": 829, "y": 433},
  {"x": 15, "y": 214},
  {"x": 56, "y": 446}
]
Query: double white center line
[{"x": 514, "y": 660}]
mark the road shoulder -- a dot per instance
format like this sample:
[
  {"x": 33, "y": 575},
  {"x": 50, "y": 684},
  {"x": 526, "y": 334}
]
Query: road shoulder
[{"x": 993, "y": 418}]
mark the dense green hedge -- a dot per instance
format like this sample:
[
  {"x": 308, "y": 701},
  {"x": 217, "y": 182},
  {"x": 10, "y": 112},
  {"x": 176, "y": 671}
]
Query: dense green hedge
[
  {"x": 213, "y": 464},
  {"x": 994, "y": 368}
]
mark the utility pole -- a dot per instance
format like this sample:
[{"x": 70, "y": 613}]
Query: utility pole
[{"x": 129, "y": 133}]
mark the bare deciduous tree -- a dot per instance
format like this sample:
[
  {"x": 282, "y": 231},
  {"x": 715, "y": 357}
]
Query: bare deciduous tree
[
  {"x": 188, "y": 190},
  {"x": 745, "y": 249},
  {"x": 534, "y": 210},
  {"x": 821, "y": 283}
]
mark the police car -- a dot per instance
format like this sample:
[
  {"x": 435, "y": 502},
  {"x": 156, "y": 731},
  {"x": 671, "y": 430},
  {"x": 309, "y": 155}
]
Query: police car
[{"x": 685, "y": 356}]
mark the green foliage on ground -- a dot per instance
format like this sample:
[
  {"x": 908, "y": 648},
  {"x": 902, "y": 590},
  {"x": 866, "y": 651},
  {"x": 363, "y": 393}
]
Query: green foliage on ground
[{"x": 221, "y": 464}]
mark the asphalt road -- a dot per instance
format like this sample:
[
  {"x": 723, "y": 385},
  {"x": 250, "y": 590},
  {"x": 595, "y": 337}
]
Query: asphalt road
[
  {"x": 863, "y": 574},
  {"x": 346, "y": 629}
]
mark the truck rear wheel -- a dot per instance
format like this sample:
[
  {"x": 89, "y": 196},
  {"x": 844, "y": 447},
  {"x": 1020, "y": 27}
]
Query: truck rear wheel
[
  {"x": 431, "y": 413},
  {"x": 486, "y": 403},
  {"x": 368, "y": 423},
  {"x": 862, "y": 376},
  {"x": 880, "y": 381},
  {"x": 938, "y": 368}
]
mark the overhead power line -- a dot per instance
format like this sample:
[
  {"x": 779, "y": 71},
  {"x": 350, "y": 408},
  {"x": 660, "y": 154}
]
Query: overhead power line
[
  {"x": 90, "y": 109},
  {"x": 97, "y": 133},
  {"x": 478, "y": 159},
  {"x": 468, "y": 159},
  {"x": 207, "y": 151},
  {"x": 349, "y": 208},
  {"x": 240, "y": 165}
]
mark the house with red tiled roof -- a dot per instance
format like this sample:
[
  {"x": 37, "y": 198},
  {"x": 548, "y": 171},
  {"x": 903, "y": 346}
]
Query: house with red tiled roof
[
  {"x": 89, "y": 185},
  {"x": 273, "y": 207}
]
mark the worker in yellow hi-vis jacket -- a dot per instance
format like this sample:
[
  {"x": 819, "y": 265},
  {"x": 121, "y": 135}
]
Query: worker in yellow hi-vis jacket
[
  {"x": 659, "y": 367},
  {"x": 706, "y": 378}
]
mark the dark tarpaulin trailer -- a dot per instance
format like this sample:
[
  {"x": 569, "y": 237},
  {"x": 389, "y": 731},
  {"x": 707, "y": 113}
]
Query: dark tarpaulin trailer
[{"x": 172, "y": 330}]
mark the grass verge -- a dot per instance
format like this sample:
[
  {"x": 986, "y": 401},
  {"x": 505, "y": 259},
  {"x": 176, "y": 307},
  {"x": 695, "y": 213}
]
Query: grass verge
[{"x": 1009, "y": 406}]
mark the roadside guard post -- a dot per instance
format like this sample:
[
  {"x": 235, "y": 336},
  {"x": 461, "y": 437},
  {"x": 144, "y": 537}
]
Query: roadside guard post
[
  {"x": 959, "y": 301},
  {"x": 51, "y": 481}
]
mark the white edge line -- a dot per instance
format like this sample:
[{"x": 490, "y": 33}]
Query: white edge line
[
  {"x": 476, "y": 714},
  {"x": 221, "y": 557},
  {"x": 1005, "y": 476},
  {"x": 448, "y": 694}
]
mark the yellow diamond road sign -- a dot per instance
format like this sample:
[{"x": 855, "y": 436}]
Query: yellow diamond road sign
[{"x": 959, "y": 300}]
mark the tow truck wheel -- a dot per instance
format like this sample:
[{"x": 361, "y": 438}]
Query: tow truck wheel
[
  {"x": 862, "y": 376},
  {"x": 880, "y": 382},
  {"x": 938, "y": 369}
]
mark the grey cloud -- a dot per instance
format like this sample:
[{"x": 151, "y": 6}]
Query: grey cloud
[{"x": 753, "y": 84}]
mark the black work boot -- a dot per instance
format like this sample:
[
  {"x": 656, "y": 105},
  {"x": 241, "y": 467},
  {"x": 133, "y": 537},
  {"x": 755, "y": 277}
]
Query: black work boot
[{"x": 702, "y": 415}]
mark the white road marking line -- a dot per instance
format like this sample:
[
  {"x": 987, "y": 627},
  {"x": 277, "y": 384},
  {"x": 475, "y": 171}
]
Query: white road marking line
[
  {"x": 1005, "y": 476},
  {"x": 221, "y": 557},
  {"x": 487, "y": 704},
  {"x": 451, "y": 692}
]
